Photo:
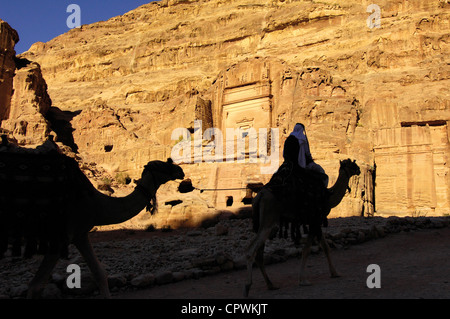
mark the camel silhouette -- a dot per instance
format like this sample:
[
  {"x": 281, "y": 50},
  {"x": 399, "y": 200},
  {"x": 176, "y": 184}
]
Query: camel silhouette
[
  {"x": 46, "y": 198},
  {"x": 300, "y": 198}
]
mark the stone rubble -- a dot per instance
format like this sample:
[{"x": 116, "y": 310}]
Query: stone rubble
[{"x": 142, "y": 263}]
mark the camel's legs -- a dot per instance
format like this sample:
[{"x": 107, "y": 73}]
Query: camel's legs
[
  {"x": 260, "y": 262},
  {"x": 30, "y": 247},
  {"x": 42, "y": 275},
  {"x": 305, "y": 253},
  {"x": 3, "y": 242},
  {"x": 326, "y": 249},
  {"x": 254, "y": 250},
  {"x": 85, "y": 248},
  {"x": 17, "y": 244}
]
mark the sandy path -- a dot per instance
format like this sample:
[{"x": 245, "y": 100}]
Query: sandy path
[{"x": 413, "y": 265}]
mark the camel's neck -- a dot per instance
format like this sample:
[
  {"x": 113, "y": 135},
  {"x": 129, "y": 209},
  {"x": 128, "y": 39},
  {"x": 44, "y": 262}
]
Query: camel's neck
[
  {"x": 339, "y": 188},
  {"x": 115, "y": 210}
]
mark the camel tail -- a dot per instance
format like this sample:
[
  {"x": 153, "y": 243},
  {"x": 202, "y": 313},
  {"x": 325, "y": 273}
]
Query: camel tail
[{"x": 255, "y": 214}]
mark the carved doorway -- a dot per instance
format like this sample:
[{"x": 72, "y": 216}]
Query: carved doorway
[{"x": 412, "y": 169}]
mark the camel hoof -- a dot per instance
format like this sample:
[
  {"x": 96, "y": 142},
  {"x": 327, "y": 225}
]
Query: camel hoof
[
  {"x": 272, "y": 287},
  {"x": 246, "y": 290},
  {"x": 336, "y": 275}
]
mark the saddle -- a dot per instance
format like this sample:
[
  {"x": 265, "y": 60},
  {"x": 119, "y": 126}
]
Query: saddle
[
  {"x": 34, "y": 188},
  {"x": 302, "y": 191},
  {"x": 32, "y": 180}
]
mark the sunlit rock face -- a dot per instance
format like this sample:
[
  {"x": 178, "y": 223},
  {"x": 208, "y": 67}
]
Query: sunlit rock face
[
  {"x": 379, "y": 95},
  {"x": 8, "y": 40}
]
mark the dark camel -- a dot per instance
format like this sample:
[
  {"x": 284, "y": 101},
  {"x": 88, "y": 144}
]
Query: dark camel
[
  {"x": 83, "y": 208},
  {"x": 303, "y": 206}
]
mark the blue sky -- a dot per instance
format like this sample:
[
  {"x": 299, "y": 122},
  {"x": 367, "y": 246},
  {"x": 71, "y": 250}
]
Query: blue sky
[{"x": 43, "y": 20}]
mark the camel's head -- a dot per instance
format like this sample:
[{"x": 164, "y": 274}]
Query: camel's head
[
  {"x": 164, "y": 171},
  {"x": 350, "y": 167},
  {"x": 157, "y": 173}
]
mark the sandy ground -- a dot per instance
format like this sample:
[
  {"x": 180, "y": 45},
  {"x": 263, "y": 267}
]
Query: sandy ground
[{"x": 413, "y": 265}]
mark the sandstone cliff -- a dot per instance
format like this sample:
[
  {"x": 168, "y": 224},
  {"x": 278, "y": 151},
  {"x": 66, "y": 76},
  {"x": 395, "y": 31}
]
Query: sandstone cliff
[
  {"x": 24, "y": 100},
  {"x": 377, "y": 95},
  {"x": 29, "y": 104},
  {"x": 8, "y": 39}
]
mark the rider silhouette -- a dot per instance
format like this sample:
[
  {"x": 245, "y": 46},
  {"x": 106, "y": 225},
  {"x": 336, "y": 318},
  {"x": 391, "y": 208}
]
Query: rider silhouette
[{"x": 296, "y": 150}]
